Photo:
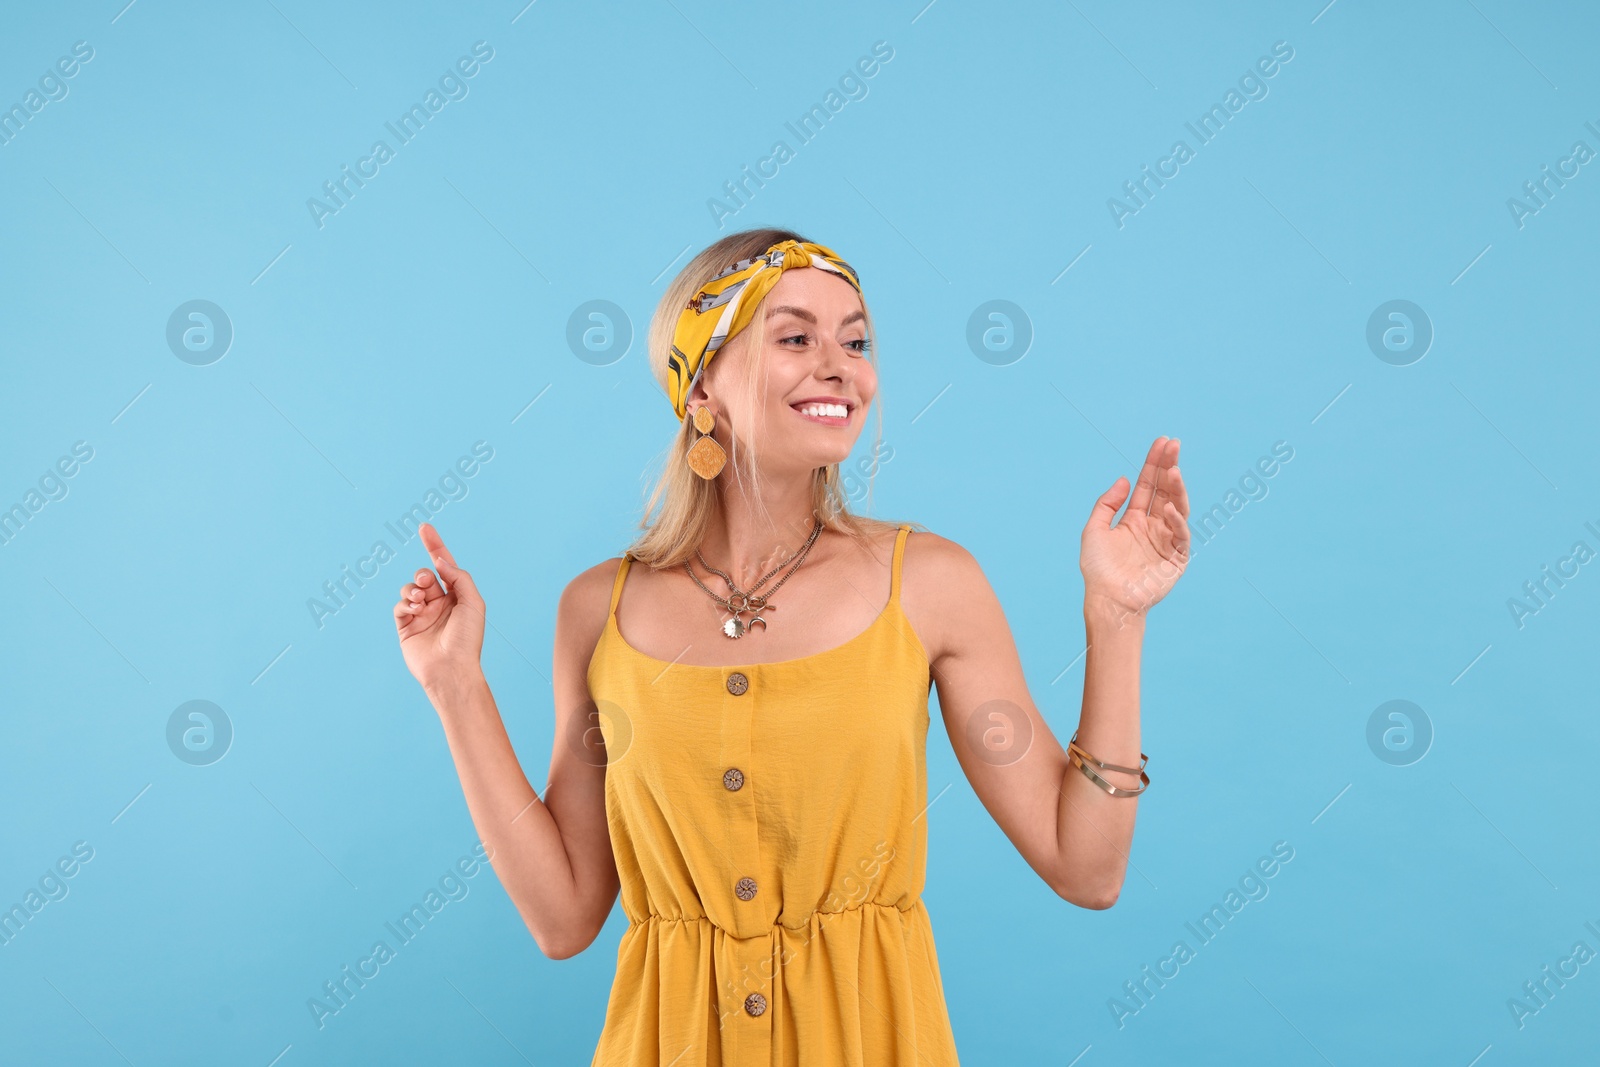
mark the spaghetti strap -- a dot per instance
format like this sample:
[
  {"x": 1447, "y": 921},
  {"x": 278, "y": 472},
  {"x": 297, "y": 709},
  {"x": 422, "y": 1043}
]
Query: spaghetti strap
[
  {"x": 616, "y": 583},
  {"x": 894, "y": 568}
]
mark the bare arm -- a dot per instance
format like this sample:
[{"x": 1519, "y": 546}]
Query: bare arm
[
  {"x": 552, "y": 855},
  {"x": 1072, "y": 833}
]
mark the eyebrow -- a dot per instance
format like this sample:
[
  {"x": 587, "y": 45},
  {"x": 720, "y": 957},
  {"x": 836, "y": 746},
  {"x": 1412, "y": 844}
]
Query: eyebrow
[{"x": 802, "y": 313}]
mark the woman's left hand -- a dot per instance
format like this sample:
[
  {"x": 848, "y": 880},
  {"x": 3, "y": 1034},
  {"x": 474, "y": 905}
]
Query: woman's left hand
[{"x": 1129, "y": 567}]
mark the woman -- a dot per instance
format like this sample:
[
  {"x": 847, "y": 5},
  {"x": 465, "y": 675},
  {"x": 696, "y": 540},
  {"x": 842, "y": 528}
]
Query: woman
[{"x": 759, "y": 805}]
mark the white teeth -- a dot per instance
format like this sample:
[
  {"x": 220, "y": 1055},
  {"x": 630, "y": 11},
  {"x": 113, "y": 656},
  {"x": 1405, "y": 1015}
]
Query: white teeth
[{"x": 838, "y": 411}]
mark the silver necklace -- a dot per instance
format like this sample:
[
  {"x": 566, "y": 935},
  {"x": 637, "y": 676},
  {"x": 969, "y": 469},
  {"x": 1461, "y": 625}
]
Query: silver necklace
[{"x": 740, "y": 601}]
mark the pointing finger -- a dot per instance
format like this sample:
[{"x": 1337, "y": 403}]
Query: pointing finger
[
  {"x": 459, "y": 581},
  {"x": 436, "y": 549}
]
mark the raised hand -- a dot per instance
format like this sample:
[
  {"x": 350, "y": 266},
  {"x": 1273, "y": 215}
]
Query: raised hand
[
  {"x": 440, "y": 625},
  {"x": 1132, "y": 565}
]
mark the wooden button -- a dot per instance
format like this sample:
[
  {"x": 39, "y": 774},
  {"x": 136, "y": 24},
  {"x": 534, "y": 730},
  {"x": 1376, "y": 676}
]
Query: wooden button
[
  {"x": 732, "y": 779},
  {"x": 755, "y": 1004},
  {"x": 745, "y": 888},
  {"x": 738, "y": 683}
]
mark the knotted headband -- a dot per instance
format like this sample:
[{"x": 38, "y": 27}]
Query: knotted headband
[{"x": 726, "y": 304}]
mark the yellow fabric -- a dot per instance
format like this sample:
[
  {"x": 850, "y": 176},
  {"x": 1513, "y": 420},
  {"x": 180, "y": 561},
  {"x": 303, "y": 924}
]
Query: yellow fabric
[
  {"x": 726, "y": 304},
  {"x": 830, "y": 823}
]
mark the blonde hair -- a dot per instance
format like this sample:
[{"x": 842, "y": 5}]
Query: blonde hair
[{"x": 687, "y": 501}]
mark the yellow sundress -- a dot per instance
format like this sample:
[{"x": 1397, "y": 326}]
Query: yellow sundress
[{"x": 770, "y": 832}]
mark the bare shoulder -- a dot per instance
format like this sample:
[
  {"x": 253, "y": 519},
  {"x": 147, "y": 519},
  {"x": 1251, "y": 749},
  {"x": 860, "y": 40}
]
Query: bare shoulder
[
  {"x": 582, "y": 610},
  {"x": 937, "y": 571},
  {"x": 941, "y": 584}
]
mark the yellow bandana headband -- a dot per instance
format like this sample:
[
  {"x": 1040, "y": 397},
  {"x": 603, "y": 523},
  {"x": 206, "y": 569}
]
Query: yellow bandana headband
[{"x": 726, "y": 304}]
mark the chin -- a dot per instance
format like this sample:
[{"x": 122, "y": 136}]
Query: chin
[
  {"x": 816, "y": 445},
  {"x": 812, "y": 458}
]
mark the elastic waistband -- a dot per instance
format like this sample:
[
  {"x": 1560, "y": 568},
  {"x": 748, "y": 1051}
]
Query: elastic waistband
[{"x": 915, "y": 905}]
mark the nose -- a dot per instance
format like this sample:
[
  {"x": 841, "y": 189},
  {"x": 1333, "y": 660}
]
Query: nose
[{"x": 837, "y": 362}]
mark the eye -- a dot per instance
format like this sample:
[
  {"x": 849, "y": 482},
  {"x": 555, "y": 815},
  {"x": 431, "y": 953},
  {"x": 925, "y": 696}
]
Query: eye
[{"x": 862, "y": 345}]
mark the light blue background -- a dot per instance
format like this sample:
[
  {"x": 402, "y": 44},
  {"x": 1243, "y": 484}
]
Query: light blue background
[{"x": 369, "y": 354}]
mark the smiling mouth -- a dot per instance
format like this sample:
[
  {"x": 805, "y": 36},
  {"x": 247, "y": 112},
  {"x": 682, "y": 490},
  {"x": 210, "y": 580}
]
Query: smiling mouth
[{"x": 826, "y": 414}]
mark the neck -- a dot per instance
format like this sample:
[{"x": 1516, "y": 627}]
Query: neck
[{"x": 747, "y": 544}]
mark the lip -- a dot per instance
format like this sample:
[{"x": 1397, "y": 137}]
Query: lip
[{"x": 826, "y": 420}]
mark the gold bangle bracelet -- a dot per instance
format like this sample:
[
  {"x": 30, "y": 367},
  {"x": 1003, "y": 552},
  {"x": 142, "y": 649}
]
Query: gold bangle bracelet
[
  {"x": 1077, "y": 761},
  {"x": 1080, "y": 758},
  {"x": 1073, "y": 744}
]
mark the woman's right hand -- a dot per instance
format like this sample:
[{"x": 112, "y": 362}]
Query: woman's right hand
[{"x": 441, "y": 632}]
